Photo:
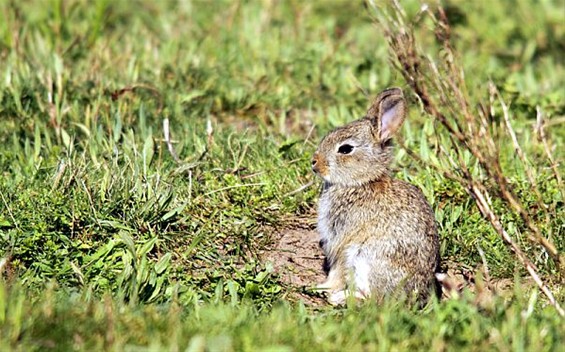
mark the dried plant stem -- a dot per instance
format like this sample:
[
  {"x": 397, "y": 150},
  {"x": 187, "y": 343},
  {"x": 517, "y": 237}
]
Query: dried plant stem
[
  {"x": 299, "y": 189},
  {"x": 486, "y": 271},
  {"x": 9, "y": 210},
  {"x": 530, "y": 174},
  {"x": 469, "y": 132},
  {"x": 403, "y": 46},
  {"x": 167, "y": 135},
  {"x": 485, "y": 209},
  {"x": 543, "y": 138},
  {"x": 518, "y": 149}
]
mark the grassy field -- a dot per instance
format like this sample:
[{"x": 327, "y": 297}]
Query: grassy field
[{"x": 111, "y": 241}]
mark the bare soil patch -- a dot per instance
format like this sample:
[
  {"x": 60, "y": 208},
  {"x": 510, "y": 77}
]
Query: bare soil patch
[{"x": 297, "y": 259}]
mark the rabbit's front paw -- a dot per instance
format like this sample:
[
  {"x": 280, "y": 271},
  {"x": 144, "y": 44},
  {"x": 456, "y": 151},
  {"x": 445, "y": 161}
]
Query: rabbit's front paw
[
  {"x": 338, "y": 298},
  {"x": 333, "y": 283}
]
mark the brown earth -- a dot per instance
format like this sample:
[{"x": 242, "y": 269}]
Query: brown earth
[{"x": 297, "y": 259}]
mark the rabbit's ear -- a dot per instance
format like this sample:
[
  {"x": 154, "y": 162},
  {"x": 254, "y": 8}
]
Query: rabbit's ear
[{"x": 387, "y": 113}]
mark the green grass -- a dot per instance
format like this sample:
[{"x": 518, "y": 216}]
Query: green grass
[
  {"x": 76, "y": 322},
  {"x": 110, "y": 244}
]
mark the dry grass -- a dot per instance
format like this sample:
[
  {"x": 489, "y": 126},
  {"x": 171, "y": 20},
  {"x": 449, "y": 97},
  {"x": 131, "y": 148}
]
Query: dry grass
[{"x": 473, "y": 129}]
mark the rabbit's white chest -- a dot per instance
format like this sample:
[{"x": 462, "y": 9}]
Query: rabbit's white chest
[{"x": 324, "y": 207}]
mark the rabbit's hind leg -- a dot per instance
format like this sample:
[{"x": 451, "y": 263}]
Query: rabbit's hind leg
[
  {"x": 334, "y": 282},
  {"x": 353, "y": 272},
  {"x": 359, "y": 267}
]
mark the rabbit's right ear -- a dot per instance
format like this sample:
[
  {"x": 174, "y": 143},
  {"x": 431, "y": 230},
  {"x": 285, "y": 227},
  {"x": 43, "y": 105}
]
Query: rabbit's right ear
[{"x": 387, "y": 113}]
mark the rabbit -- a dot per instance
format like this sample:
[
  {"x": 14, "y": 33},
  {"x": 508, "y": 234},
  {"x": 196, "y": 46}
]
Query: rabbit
[{"x": 378, "y": 233}]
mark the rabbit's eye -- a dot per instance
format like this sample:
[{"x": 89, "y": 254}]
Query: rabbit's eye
[{"x": 345, "y": 149}]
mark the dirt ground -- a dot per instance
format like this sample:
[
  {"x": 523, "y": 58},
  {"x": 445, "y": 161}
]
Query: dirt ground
[{"x": 297, "y": 259}]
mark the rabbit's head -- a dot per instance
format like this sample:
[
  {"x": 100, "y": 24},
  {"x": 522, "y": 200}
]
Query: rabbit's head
[{"x": 361, "y": 151}]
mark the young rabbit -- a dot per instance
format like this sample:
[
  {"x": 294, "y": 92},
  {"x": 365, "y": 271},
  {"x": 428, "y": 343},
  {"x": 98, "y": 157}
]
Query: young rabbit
[{"x": 378, "y": 233}]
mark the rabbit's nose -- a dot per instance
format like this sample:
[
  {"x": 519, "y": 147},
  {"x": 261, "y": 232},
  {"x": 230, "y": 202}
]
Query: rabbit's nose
[
  {"x": 319, "y": 164},
  {"x": 314, "y": 163}
]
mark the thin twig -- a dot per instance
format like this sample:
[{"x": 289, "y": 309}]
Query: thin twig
[
  {"x": 530, "y": 267},
  {"x": 9, "y": 210},
  {"x": 554, "y": 121},
  {"x": 485, "y": 265},
  {"x": 167, "y": 134},
  {"x": 299, "y": 189},
  {"x": 307, "y": 137},
  {"x": 540, "y": 128},
  {"x": 235, "y": 186}
]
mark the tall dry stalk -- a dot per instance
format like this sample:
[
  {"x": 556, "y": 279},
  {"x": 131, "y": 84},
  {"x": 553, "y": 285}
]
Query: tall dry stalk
[{"x": 439, "y": 83}]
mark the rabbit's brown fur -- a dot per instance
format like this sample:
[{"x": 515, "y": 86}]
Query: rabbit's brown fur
[{"x": 378, "y": 233}]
